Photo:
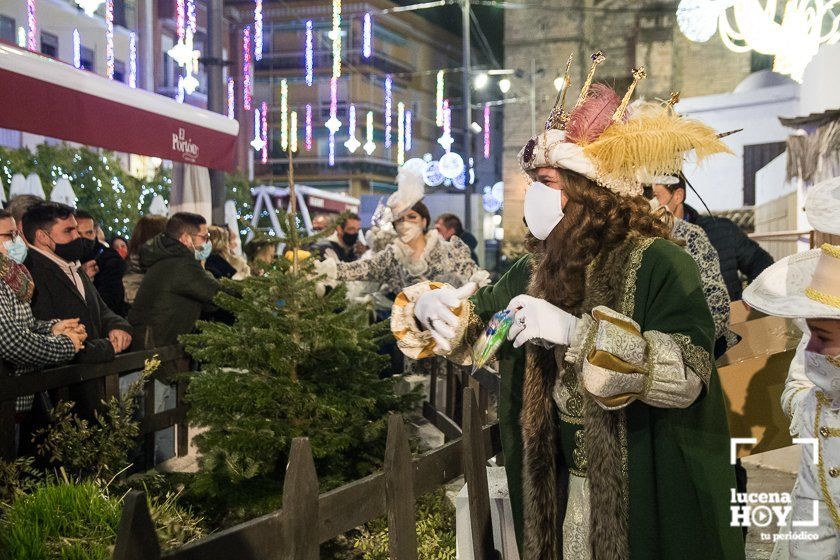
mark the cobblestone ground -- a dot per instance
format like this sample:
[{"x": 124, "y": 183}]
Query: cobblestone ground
[{"x": 761, "y": 479}]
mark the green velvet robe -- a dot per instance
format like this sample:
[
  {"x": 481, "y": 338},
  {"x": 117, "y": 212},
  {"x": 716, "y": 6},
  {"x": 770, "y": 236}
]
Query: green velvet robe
[{"x": 679, "y": 475}]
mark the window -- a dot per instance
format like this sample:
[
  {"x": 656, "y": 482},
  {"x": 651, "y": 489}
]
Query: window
[
  {"x": 119, "y": 71},
  {"x": 7, "y": 30},
  {"x": 49, "y": 44},
  {"x": 87, "y": 59},
  {"x": 170, "y": 68}
]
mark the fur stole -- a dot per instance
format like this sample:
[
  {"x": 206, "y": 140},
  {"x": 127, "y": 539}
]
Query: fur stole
[{"x": 544, "y": 478}]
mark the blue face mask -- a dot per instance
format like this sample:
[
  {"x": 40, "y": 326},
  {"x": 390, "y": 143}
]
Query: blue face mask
[
  {"x": 204, "y": 252},
  {"x": 17, "y": 249}
]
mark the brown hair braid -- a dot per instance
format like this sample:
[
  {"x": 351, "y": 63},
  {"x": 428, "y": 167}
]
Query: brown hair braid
[{"x": 595, "y": 220}]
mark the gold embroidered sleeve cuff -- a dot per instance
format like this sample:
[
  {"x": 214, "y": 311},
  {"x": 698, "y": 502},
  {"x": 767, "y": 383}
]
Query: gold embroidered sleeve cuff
[
  {"x": 412, "y": 339},
  {"x": 672, "y": 383}
]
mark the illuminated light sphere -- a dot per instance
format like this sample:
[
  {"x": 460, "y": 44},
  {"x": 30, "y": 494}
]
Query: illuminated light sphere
[
  {"x": 451, "y": 165},
  {"x": 367, "y": 36},
  {"x": 460, "y": 182},
  {"x": 481, "y": 80},
  {"x": 498, "y": 191},
  {"x": 432, "y": 175},
  {"x": 77, "y": 49},
  {"x": 89, "y": 7},
  {"x": 490, "y": 203},
  {"x": 369, "y": 146},
  {"x": 504, "y": 85}
]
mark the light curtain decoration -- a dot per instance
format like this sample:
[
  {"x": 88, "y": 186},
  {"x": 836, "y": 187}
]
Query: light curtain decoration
[
  {"x": 746, "y": 25},
  {"x": 109, "y": 39}
]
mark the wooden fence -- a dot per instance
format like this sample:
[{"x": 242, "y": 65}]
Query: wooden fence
[
  {"x": 60, "y": 380},
  {"x": 308, "y": 519}
]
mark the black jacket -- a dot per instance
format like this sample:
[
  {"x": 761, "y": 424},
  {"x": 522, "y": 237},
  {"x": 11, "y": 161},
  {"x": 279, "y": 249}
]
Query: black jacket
[
  {"x": 56, "y": 297},
  {"x": 174, "y": 291},
  {"x": 219, "y": 267},
  {"x": 736, "y": 251},
  {"x": 109, "y": 280}
]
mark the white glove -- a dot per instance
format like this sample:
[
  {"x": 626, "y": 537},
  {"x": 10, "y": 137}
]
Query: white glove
[
  {"x": 540, "y": 322},
  {"x": 434, "y": 312}
]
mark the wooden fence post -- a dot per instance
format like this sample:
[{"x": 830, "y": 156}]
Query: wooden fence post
[
  {"x": 300, "y": 505},
  {"x": 399, "y": 493},
  {"x": 136, "y": 537},
  {"x": 475, "y": 473}
]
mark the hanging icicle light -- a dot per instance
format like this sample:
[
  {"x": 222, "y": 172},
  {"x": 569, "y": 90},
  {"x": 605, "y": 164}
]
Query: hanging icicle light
[
  {"x": 231, "y": 98},
  {"x": 408, "y": 139},
  {"x": 367, "y": 36},
  {"x": 352, "y": 144},
  {"x": 21, "y": 41},
  {"x": 183, "y": 52},
  {"x": 132, "y": 60},
  {"x": 109, "y": 39},
  {"x": 369, "y": 146},
  {"x": 77, "y": 49},
  {"x": 308, "y": 128},
  {"x": 257, "y": 143},
  {"x": 446, "y": 139},
  {"x": 388, "y": 101},
  {"x": 32, "y": 22},
  {"x": 293, "y": 142},
  {"x": 336, "y": 37},
  {"x": 284, "y": 115},
  {"x": 264, "y": 131},
  {"x": 246, "y": 68},
  {"x": 332, "y": 150},
  {"x": 310, "y": 58},
  {"x": 258, "y": 29},
  {"x": 439, "y": 99},
  {"x": 89, "y": 6},
  {"x": 333, "y": 125},
  {"x": 400, "y": 133},
  {"x": 179, "y": 94},
  {"x": 190, "y": 81},
  {"x": 486, "y": 131}
]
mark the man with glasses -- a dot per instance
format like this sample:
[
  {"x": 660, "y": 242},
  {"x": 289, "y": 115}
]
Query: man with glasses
[{"x": 176, "y": 288}]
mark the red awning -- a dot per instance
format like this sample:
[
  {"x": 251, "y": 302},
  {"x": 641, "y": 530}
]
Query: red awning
[{"x": 45, "y": 96}]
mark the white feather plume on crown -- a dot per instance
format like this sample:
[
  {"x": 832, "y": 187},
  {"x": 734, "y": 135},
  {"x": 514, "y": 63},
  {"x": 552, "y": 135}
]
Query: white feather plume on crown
[{"x": 410, "y": 191}]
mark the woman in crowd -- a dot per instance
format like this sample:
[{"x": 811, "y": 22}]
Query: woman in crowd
[
  {"x": 261, "y": 251},
  {"x": 146, "y": 228},
  {"x": 222, "y": 263},
  {"x": 25, "y": 342},
  {"x": 120, "y": 245}
]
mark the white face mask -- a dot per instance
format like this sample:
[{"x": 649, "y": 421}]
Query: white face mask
[
  {"x": 543, "y": 210},
  {"x": 824, "y": 373},
  {"x": 408, "y": 231}
]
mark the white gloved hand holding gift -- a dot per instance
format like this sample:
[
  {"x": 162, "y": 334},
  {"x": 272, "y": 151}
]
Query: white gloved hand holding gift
[
  {"x": 434, "y": 312},
  {"x": 539, "y": 322}
]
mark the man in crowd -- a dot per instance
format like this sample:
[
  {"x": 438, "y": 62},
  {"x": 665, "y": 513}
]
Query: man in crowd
[
  {"x": 103, "y": 265},
  {"x": 63, "y": 291},
  {"x": 320, "y": 222},
  {"x": 448, "y": 225},
  {"x": 737, "y": 252},
  {"x": 176, "y": 288},
  {"x": 19, "y": 205},
  {"x": 343, "y": 245}
]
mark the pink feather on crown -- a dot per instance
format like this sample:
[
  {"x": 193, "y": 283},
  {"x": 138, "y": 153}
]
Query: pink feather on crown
[{"x": 589, "y": 120}]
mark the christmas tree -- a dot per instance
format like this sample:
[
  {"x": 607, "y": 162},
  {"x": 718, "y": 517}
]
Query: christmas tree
[{"x": 296, "y": 362}]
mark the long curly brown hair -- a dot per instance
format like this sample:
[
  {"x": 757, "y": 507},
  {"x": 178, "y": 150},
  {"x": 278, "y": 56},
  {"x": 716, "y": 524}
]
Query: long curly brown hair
[{"x": 595, "y": 220}]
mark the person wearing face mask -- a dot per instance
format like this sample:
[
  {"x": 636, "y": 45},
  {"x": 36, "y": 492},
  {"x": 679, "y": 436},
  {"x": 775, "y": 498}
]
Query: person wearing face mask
[
  {"x": 26, "y": 342},
  {"x": 176, "y": 288},
  {"x": 612, "y": 417},
  {"x": 63, "y": 291},
  {"x": 806, "y": 287},
  {"x": 417, "y": 254},
  {"x": 343, "y": 244}
]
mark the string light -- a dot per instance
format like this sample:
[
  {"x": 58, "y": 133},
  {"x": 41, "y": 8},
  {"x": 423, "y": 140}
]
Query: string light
[
  {"x": 293, "y": 133},
  {"x": 308, "y": 130},
  {"x": 258, "y": 30},
  {"x": 388, "y": 100},
  {"x": 246, "y": 68},
  {"x": 77, "y": 49},
  {"x": 264, "y": 131},
  {"x": 486, "y": 131},
  {"x": 336, "y": 38},
  {"x": 284, "y": 115},
  {"x": 367, "y": 36},
  {"x": 439, "y": 99},
  {"x": 332, "y": 150},
  {"x": 446, "y": 139},
  {"x": 352, "y": 144},
  {"x": 257, "y": 143},
  {"x": 333, "y": 125},
  {"x": 369, "y": 146},
  {"x": 400, "y": 133},
  {"x": 32, "y": 22},
  {"x": 408, "y": 139},
  {"x": 132, "y": 60},
  {"x": 309, "y": 54},
  {"x": 180, "y": 18},
  {"x": 109, "y": 39},
  {"x": 192, "y": 25},
  {"x": 22, "y": 37},
  {"x": 231, "y": 98}
]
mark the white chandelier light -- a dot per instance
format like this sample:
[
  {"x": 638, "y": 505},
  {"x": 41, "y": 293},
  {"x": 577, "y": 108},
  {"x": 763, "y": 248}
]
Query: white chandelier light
[{"x": 746, "y": 25}]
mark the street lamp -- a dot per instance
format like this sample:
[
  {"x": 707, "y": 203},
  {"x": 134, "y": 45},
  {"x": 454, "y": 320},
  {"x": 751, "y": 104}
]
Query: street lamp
[
  {"x": 504, "y": 85},
  {"x": 481, "y": 80}
]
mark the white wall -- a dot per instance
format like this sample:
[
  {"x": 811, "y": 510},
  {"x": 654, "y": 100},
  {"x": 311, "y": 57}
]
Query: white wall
[
  {"x": 821, "y": 82},
  {"x": 720, "y": 178}
]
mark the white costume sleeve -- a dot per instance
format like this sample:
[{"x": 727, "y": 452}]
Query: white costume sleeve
[{"x": 797, "y": 384}]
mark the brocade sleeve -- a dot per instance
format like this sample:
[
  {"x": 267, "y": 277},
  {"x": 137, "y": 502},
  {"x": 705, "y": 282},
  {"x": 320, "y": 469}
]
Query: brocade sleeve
[{"x": 797, "y": 385}]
